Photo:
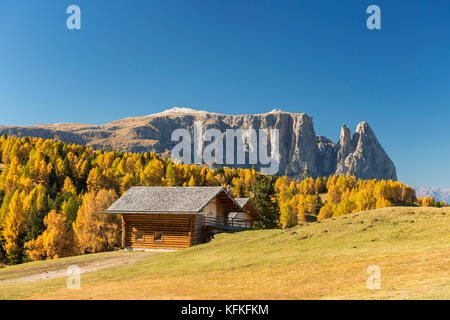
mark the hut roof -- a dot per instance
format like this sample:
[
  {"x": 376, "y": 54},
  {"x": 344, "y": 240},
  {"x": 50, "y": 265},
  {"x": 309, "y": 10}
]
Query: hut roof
[
  {"x": 154, "y": 200},
  {"x": 242, "y": 203}
]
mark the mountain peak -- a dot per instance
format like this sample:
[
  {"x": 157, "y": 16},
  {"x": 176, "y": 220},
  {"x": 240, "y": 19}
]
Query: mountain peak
[
  {"x": 276, "y": 111},
  {"x": 345, "y": 137},
  {"x": 181, "y": 110},
  {"x": 363, "y": 128}
]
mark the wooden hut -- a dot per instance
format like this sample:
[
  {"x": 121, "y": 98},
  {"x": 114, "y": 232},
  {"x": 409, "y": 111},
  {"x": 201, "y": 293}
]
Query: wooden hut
[
  {"x": 176, "y": 217},
  {"x": 247, "y": 215}
]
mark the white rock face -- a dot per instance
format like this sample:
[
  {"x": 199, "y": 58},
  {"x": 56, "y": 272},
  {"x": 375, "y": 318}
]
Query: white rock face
[
  {"x": 302, "y": 152},
  {"x": 439, "y": 194},
  {"x": 362, "y": 155}
]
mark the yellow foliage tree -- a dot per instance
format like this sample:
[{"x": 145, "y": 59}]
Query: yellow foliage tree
[
  {"x": 428, "y": 202},
  {"x": 12, "y": 179},
  {"x": 95, "y": 231},
  {"x": 308, "y": 204},
  {"x": 288, "y": 216},
  {"x": 333, "y": 196},
  {"x": 55, "y": 242},
  {"x": 153, "y": 173},
  {"x": 95, "y": 180},
  {"x": 345, "y": 206},
  {"x": 191, "y": 182},
  {"x": 364, "y": 200},
  {"x": 14, "y": 227},
  {"x": 408, "y": 195},
  {"x": 128, "y": 181},
  {"x": 69, "y": 187},
  {"x": 383, "y": 203},
  {"x": 326, "y": 211}
]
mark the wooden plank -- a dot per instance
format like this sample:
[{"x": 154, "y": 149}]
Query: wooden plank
[
  {"x": 176, "y": 230},
  {"x": 124, "y": 227}
]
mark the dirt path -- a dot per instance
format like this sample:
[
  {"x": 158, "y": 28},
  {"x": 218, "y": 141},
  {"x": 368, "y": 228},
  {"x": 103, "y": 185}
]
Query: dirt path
[{"x": 59, "y": 269}]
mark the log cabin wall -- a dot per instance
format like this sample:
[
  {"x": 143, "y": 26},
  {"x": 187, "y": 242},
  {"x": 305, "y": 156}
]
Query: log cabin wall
[
  {"x": 210, "y": 210},
  {"x": 221, "y": 211},
  {"x": 253, "y": 213},
  {"x": 245, "y": 216},
  {"x": 124, "y": 228},
  {"x": 216, "y": 209},
  {"x": 199, "y": 235},
  {"x": 176, "y": 231}
]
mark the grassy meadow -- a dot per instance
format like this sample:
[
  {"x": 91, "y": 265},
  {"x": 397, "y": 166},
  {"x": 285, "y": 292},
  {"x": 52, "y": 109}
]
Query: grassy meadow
[{"x": 320, "y": 260}]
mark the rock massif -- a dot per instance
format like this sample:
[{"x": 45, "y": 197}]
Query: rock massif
[{"x": 302, "y": 152}]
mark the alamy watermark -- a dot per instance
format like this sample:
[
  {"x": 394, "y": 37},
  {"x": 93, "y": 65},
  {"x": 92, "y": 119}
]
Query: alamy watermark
[
  {"x": 374, "y": 280},
  {"x": 262, "y": 147},
  {"x": 74, "y": 20},
  {"x": 74, "y": 277},
  {"x": 374, "y": 20}
]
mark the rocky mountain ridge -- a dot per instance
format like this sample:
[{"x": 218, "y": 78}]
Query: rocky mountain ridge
[{"x": 302, "y": 152}]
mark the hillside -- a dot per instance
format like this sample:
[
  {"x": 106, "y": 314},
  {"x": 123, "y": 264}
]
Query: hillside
[
  {"x": 321, "y": 260},
  {"x": 302, "y": 151}
]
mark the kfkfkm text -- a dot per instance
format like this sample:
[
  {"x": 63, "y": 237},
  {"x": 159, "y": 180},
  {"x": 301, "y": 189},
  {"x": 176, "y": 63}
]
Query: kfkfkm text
[{"x": 231, "y": 309}]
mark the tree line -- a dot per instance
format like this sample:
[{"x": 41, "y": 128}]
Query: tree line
[{"x": 52, "y": 195}]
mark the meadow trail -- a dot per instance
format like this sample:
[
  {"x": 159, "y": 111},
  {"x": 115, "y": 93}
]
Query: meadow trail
[{"x": 59, "y": 269}]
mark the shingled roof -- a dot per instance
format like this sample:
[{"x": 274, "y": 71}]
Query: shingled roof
[
  {"x": 166, "y": 199},
  {"x": 242, "y": 201}
]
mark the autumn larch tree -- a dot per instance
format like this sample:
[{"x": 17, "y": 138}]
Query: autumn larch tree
[{"x": 94, "y": 230}]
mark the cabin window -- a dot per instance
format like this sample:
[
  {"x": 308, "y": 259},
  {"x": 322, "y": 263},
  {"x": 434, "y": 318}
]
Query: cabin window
[
  {"x": 157, "y": 236},
  {"x": 139, "y": 235}
]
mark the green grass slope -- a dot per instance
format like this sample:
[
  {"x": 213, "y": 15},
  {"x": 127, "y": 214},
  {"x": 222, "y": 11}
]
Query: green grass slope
[{"x": 322, "y": 260}]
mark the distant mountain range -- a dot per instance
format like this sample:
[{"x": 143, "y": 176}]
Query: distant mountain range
[
  {"x": 302, "y": 152},
  {"x": 439, "y": 194}
]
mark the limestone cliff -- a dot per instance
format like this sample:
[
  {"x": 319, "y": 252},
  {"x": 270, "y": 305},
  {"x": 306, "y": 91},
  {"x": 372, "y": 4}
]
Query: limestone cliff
[{"x": 302, "y": 152}]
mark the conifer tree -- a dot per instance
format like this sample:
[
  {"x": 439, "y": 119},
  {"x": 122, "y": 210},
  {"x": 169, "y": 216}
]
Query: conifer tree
[
  {"x": 383, "y": 203},
  {"x": 36, "y": 205},
  {"x": 192, "y": 182},
  {"x": 171, "y": 175},
  {"x": 70, "y": 208},
  {"x": 55, "y": 242},
  {"x": 288, "y": 216},
  {"x": 428, "y": 202},
  {"x": 264, "y": 200},
  {"x": 326, "y": 211},
  {"x": 344, "y": 207},
  {"x": 14, "y": 229},
  {"x": 94, "y": 230}
]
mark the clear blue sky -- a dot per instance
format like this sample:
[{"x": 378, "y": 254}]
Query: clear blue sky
[{"x": 134, "y": 58}]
